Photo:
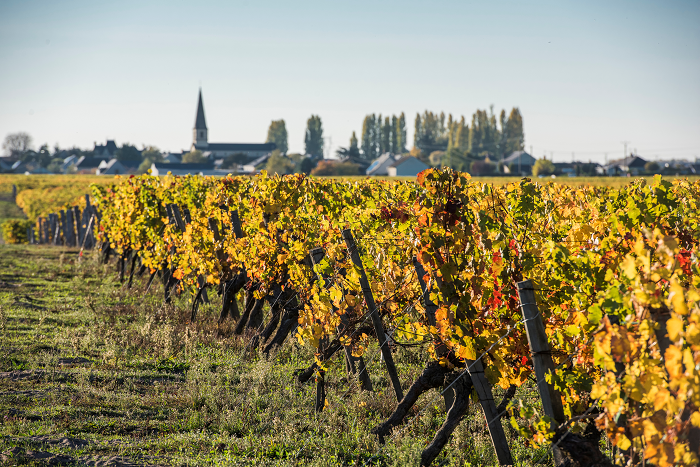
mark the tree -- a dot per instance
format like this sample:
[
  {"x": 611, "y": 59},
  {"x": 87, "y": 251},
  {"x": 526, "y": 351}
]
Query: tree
[
  {"x": 277, "y": 133},
  {"x": 513, "y": 135},
  {"x": 417, "y": 153},
  {"x": 387, "y": 131},
  {"x": 436, "y": 158},
  {"x": 194, "y": 157},
  {"x": 482, "y": 168},
  {"x": 401, "y": 134},
  {"x": 370, "y": 138},
  {"x": 313, "y": 139},
  {"x": 306, "y": 166},
  {"x": 153, "y": 154},
  {"x": 55, "y": 165},
  {"x": 17, "y": 143},
  {"x": 301, "y": 163},
  {"x": 483, "y": 134},
  {"x": 329, "y": 167},
  {"x": 351, "y": 151},
  {"x": 543, "y": 167},
  {"x": 279, "y": 164},
  {"x": 128, "y": 153},
  {"x": 232, "y": 160},
  {"x": 652, "y": 167},
  {"x": 431, "y": 133},
  {"x": 150, "y": 156},
  {"x": 41, "y": 158},
  {"x": 354, "y": 150}
]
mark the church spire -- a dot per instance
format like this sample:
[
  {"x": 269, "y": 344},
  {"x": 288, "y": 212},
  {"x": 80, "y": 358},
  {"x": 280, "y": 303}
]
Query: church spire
[
  {"x": 200, "y": 127},
  {"x": 200, "y": 123}
]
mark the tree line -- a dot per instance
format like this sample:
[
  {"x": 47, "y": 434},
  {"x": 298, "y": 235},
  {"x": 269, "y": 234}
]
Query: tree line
[{"x": 438, "y": 140}]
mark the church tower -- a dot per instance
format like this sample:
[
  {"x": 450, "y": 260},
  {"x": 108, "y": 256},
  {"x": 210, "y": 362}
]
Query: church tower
[{"x": 199, "y": 140}]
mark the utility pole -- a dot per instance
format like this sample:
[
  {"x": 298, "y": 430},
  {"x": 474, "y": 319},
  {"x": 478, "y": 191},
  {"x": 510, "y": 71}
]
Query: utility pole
[{"x": 625, "y": 143}]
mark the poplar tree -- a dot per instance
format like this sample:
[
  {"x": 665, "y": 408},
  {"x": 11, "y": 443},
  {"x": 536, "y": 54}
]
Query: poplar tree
[
  {"x": 401, "y": 134},
  {"x": 462, "y": 136},
  {"x": 417, "y": 131},
  {"x": 386, "y": 136},
  {"x": 514, "y": 134},
  {"x": 313, "y": 139},
  {"x": 369, "y": 145},
  {"x": 277, "y": 133},
  {"x": 354, "y": 150},
  {"x": 394, "y": 149}
]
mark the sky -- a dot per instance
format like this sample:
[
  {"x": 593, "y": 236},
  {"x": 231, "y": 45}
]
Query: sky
[{"x": 586, "y": 76}]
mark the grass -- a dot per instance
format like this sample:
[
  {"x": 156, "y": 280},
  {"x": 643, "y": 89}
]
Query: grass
[
  {"x": 9, "y": 210},
  {"x": 93, "y": 371}
]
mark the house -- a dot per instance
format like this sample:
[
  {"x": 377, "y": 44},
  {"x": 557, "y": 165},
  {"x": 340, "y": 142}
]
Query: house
[
  {"x": 6, "y": 164},
  {"x": 207, "y": 168},
  {"x": 518, "y": 161},
  {"x": 173, "y": 157},
  {"x": 221, "y": 150},
  {"x": 117, "y": 167},
  {"x": 380, "y": 165},
  {"x": 27, "y": 168},
  {"x": 631, "y": 164},
  {"x": 68, "y": 162},
  {"x": 86, "y": 165},
  {"x": 565, "y": 168},
  {"x": 106, "y": 151},
  {"x": 407, "y": 166},
  {"x": 111, "y": 167}
]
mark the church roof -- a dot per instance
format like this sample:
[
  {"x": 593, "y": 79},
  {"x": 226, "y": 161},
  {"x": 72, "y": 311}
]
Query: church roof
[
  {"x": 243, "y": 147},
  {"x": 200, "y": 123}
]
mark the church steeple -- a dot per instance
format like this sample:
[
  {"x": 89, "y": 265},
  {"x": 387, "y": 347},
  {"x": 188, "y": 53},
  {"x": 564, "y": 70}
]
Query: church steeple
[{"x": 200, "y": 126}]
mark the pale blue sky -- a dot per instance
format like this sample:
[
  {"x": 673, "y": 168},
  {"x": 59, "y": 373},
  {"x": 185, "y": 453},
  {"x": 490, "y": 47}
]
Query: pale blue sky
[{"x": 586, "y": 75}]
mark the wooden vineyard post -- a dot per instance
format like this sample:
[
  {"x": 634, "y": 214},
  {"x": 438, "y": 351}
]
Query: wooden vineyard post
[
  {"x": 236, "y": 224},
  {"x": 541, "y": 358},
  {"x": 88, "y": 215},
  {"x": 78, "y": 226},
  {"x": 53, "y": 228},
  {"x": 214, "y": 227},
  {"x": 70, "y": 231},
  {"x": 493, "y": 418},
  {"x": 178, "y": 217},
  {"x": 175, "y": 219},
  {"x": 62, "y": 229},
  {"x": 376, "y": 319},
  {"x": 476, "y": 372}
]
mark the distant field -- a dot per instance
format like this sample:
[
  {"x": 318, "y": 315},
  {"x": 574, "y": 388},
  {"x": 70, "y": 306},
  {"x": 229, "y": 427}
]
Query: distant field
[
  {"x": 39, "y": 195},
  {"x": 614, "y": 182}
]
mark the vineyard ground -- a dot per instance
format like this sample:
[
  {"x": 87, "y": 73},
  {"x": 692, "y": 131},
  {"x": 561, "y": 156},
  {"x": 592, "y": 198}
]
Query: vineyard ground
[{"x": 91, "y": 371}]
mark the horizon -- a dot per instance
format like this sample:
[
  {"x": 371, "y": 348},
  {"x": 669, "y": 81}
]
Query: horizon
[{"x": 585, "y": 77}]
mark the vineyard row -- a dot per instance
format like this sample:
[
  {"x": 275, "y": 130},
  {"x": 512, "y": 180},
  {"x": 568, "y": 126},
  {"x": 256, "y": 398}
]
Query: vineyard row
[{"x": 593, "y": 291}]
